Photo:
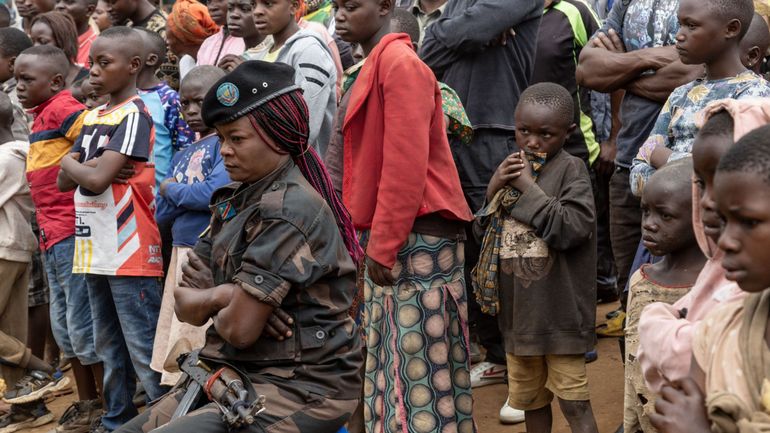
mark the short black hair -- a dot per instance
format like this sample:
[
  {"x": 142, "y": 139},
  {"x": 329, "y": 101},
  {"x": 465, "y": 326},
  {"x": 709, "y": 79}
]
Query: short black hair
[
  {"x": 743, "y": 10},
  {"x": 758, "y": 34},
  {"x": 407, "y": 23},
  {"x": 553, "y": 96},
  {"x": 53, "y": 55},
  {"x": 720, "y": 124},
  {"x": 751, "y": 154},
  {"x": 154, "y": 42},
  {"x": 128, "y": 38},
  {"x": 5, "y": 16},
  {"x": 13, "y": 41},
  {"x": 6, "y": 110},
  {"x": 65, "y": 34},
  {"x": 678, "y": 172},
  {"x": 205, "y": 74}
]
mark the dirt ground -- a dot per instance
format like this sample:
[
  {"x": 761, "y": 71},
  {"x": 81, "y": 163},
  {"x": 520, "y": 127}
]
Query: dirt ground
[{"x": 605, "y": 377}]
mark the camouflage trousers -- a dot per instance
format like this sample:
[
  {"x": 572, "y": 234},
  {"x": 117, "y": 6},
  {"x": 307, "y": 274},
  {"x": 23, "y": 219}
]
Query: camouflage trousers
[{"x": 286, "y": 411}]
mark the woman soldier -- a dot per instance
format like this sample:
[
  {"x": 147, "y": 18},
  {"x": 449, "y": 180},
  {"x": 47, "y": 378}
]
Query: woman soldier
[{"x": 278, "y": 238}]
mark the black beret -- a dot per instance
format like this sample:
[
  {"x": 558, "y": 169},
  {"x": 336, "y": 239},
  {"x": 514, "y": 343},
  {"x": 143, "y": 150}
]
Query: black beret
[{"x": 248, "y": 86}]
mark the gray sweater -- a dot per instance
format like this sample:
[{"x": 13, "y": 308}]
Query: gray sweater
[
  {"x": 489, "y": 77},
  {"x": 316, "y": 73}
]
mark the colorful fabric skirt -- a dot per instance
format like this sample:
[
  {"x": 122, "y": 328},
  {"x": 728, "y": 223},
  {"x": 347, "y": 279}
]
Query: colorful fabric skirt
[{"x": 417, "y": 365}]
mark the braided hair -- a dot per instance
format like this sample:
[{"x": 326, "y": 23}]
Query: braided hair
[{"x": 285, "y": 120}]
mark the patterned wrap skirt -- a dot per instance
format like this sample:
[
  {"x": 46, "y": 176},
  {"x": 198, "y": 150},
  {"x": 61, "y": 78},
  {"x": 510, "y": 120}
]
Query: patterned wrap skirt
[{"x": 417, "y": 365}]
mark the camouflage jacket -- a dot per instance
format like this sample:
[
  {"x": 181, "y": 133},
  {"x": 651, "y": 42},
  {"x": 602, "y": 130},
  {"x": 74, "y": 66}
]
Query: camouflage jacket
[{"x": 278, "y": 239}]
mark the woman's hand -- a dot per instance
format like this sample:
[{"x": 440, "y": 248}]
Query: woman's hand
[
  {"x": 378, "y": 273},
  {"x": 195, "y": 273},
  {"x": 279, "y": 325},
  {"x": 681, "y": 408}
]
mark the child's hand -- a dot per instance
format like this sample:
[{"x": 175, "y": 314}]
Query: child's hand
[
  {"x": 681, "y": 407},
  {"x": 506, "y": 172},
  {"x": 524, "y": 180},
  {"x": 230, "y": 62},
  {"x": 164, "y": 185},
  {"x": 196, "y": 274},
  {"x": 125, "y": 173}
]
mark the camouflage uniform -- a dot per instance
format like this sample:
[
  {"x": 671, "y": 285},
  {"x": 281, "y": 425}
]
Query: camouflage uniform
[{"x": 278, "y": 240}]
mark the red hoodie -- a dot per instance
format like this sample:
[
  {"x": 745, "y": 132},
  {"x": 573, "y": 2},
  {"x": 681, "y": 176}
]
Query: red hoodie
[{"x": 398, "y": 165}]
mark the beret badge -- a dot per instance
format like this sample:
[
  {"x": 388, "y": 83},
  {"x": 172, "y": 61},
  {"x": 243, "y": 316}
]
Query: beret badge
[{"x": 227, "y": 94}]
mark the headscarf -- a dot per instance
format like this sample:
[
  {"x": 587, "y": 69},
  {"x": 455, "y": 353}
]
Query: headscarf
[{"x": 190, "y": 22}]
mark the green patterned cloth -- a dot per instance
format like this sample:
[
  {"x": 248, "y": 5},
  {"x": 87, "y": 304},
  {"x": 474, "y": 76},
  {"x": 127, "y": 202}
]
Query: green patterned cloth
[
  {"x": 459, "y": 125},
  {"x": 484, "y": 275}
]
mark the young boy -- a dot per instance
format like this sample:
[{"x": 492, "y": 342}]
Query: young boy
[
  {"x": 755, "y": 44},
  {"x": 144, "y": 14},
  {"x": 667, "y": 232},
  {"x": 183, "y": 203},
  {"x": 728, "y": 385},
  {"x": 12, "y": 43},
  {"x": 16, "y": 248},
  {"x": 80, "y": 11},
  {"x": 711, "y": 35},
  {"x": 171, "y": 131},
  {"x": 40, "y": 73},
  {"x": 403, "y": 192},
  {"x": 310, "y": 57},
  {"x": 547, "y": 263},
  {"x": 118, "y": 245}
]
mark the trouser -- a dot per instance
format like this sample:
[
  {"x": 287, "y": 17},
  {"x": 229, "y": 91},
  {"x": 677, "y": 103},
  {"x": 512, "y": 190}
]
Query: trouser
[
  {"x": 625, "y": 224},
  {"x": 13, "y": 320},
  {"x": 476, "y": 163},
  {"x": 606, "y": 272},
  {"x": 125, "y": 314},
  {"x": 70, "y": 307}
]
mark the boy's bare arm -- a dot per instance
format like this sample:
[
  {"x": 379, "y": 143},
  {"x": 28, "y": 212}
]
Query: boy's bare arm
[
  {"x": 95, "y": 177},
  {"x": 63, "y": 181}
]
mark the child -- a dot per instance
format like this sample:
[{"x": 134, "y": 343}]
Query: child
[
  {"x": 183, "y": 201},
  {"x": 665, "y": 331},
  {"x": 58, "y": 29},
  {"x": 40, "y": 73},
  {"x": 188, "y": 25},
  {"x": 667, "y": 232},
  {"x": 548, "y": 257},
  {"x": 711, "y": 36},
  {"x": 310, "y": 57},
  {"x": 80, "y": 11},
  {"x": 91, "y": 99},
  {"x": 755, "y": 44},
  {"x": 144, "y": 14},
  {"x": 222, "y": 43},
  {"x": 16, "y": 248},
  {"x": 101, "y": 16},
  {"x": 121, "y": 262},
  {"x": 12, "y": 43},
  {"x": 403, "y": 192},
  {"x": 727, "y": 390},
  {"x": 171, "y": 131}
]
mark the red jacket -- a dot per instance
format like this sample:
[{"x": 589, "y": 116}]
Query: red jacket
[{"x": 398, "y": 165}]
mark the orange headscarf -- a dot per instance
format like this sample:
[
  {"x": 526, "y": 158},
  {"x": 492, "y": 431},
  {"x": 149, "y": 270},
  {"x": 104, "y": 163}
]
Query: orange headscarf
[
  {"x": 190, "y": 22},
  {"x": 301, "y": 9}
]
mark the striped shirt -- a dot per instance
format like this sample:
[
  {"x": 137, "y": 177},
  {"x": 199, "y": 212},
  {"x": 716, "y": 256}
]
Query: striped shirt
[{"x": 116, "y": 230}]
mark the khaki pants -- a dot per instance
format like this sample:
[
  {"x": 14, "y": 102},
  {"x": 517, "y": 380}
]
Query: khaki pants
[{"x": 14, "y": 285}]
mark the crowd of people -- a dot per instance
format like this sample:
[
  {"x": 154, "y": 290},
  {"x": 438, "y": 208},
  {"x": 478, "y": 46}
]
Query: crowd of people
[{"x": 364, "y": 209}]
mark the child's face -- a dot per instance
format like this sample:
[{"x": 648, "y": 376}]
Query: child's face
[
  {"x": 706, "y": 153},
  {"x": 41, "y": 34},
  {"x": 666, "y": 217},
  {"x": 79, "y": 10},
  {"x": 191, "y": 99},
  {"x": 538, "y": 130},
  {"x": 218, "y": 11},
  {"x": 91, "y": 98},
  {"x": 358, "y": 20},
  {"x": 111, "y": 69},
  {"x": 743, "y": 200},
  {"x": 240, "y": 20},
  {"x": 35, "y": 81},
  {"x": 120, "y": 10},
  {"x": 701, "y": 36},
  {"x": 272, "y": 16},
  {"x": 101, "y": 16}
]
